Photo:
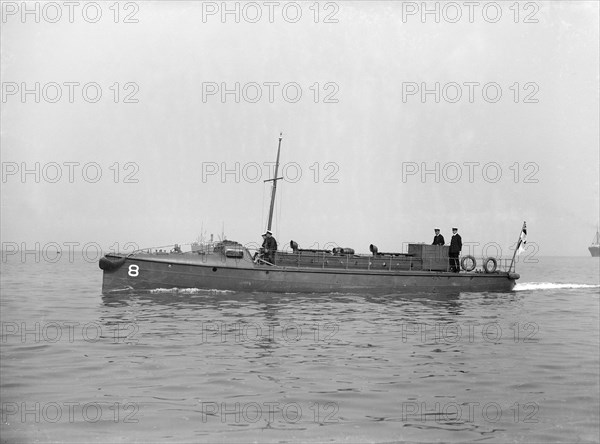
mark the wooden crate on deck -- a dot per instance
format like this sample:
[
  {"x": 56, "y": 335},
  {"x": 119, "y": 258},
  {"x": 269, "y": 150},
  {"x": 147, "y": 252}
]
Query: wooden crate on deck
[{"x": 433, "y": 257}]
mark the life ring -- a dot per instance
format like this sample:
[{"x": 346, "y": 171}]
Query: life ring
[
  {"x": 486, "y": 263},
  {"x": 463, "y": 263}
]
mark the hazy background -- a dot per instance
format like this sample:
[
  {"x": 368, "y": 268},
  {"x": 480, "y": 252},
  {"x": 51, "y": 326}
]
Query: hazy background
[{"x": 368, "y": 134}]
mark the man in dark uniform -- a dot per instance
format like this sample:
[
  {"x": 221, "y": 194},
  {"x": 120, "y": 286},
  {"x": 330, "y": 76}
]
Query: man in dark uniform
[
  {"x": 438, "y": 239},
  {"x": 455, "y": 247},
  {"x": 270, "y": 247}
]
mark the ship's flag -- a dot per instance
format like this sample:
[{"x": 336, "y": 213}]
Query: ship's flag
[{"x": 522, "y": 239}]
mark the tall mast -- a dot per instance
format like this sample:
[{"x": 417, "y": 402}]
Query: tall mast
[{"x": 275, "y": 179}]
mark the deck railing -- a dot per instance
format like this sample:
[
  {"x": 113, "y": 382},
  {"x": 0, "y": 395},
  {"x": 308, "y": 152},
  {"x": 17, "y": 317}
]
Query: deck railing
[
  {"x": 390, "y": 263},
  {"x": 190, "y": 248}
]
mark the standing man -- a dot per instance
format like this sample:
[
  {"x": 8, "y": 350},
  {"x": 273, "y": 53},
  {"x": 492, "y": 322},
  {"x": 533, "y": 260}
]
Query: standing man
[
  {"x": 438, "y": 239},
  {"x": 270, "y": 246},
  {"x": 455, "y": 247}
]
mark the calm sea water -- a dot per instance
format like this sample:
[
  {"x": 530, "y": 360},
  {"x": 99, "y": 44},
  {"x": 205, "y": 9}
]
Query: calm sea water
[{"x": 205, "y": 366}]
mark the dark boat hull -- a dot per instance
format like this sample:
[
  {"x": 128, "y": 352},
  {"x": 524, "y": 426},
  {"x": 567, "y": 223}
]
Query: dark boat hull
[
  {"x": 594, "y": 250},
  {"x": 150, "y": 272}
]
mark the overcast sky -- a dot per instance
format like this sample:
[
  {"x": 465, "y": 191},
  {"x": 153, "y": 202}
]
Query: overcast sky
[{"x": 511, "y": 136}]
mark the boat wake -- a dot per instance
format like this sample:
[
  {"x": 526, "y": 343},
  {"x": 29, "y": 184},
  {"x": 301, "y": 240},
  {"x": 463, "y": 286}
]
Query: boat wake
[
  {"x": 189, "y": 291},
  {"x": 527, "y": 286}
]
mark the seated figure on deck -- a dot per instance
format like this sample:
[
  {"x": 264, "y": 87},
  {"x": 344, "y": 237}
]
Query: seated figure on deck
[{"x": 260, "y": 254}]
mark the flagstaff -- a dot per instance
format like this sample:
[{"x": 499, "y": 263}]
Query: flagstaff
[{"x": 522, "y": 239}]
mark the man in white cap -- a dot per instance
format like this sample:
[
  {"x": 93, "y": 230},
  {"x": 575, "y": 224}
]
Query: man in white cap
[
  {"x": 455, "y": 247},
  {"x": 438, "y": 239}
]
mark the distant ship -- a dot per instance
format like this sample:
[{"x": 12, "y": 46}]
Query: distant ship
[{"x": 595, "y": 247}]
